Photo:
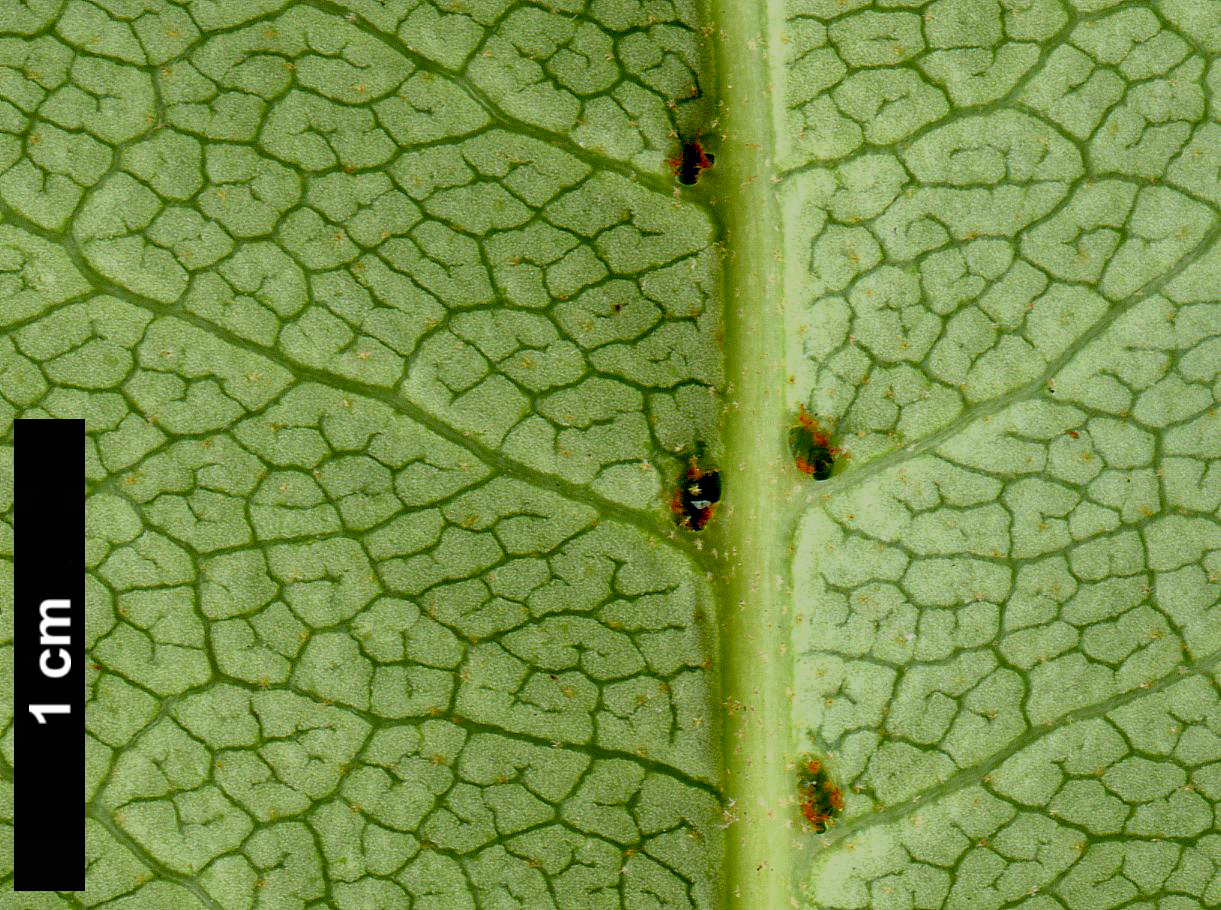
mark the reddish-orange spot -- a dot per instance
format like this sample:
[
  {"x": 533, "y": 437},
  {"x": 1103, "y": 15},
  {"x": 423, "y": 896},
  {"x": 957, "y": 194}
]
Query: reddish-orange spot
[
  {"x": 820, "y": 799},
  {"x": 818, "y": 435},
  {"x": 813, "y": 452}
]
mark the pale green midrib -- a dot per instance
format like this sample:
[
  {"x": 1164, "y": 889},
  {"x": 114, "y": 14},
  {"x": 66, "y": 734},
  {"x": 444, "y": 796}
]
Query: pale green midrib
[{"x": 753, "y": 596}]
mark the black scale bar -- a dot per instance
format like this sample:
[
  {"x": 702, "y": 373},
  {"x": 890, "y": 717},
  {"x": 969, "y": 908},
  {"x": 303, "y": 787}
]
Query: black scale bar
[{"x": 49, "y": 654}]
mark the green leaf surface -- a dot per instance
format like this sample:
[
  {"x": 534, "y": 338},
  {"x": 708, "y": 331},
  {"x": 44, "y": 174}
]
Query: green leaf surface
[{"x": 394, "y": 333}]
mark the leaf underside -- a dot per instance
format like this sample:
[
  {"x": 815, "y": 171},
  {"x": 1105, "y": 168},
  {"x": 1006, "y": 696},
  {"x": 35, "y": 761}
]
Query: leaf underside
[{"x": 393, "y": 334}]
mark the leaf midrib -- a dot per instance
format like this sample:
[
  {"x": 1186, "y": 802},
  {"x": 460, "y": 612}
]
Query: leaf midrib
[{"x": 753, "y": 592}]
